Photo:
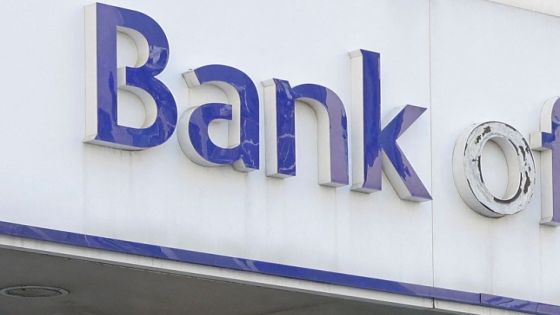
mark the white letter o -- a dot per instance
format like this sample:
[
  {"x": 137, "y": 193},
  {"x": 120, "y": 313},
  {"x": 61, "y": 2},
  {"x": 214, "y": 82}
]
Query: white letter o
[{"x": 468, "y": 175}]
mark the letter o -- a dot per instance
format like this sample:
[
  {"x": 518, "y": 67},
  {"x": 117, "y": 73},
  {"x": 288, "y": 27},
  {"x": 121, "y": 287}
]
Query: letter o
[{"x": 467, "y": 171}]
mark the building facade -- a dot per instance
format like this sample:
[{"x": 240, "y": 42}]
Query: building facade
[{"x": 295, "y": 157}]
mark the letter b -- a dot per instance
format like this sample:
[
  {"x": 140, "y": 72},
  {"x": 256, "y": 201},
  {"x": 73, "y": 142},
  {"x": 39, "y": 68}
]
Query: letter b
[{"x": 104, "y": 79}]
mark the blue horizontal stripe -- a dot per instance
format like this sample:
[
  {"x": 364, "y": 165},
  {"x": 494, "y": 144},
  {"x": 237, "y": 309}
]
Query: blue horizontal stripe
[{"x": 273, "y": 269}]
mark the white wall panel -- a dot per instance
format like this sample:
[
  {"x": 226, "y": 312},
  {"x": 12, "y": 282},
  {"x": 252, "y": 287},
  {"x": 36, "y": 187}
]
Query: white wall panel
[
  {"x": 490, "y": 62},
  {"x": 157, "y": 196}
]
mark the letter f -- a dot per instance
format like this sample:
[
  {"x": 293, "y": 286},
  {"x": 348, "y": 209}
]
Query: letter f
[{"x": 548, "y": 141}]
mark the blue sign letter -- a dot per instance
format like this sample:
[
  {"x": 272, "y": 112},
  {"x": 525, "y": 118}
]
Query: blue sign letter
[
  {"x": 280, "y": 130},
  {"x": 104, "y": 79},
  {"x": 371, "y": 142},
  {"x": 193, "y": 127},
  {"x": 548, "y": 141}
]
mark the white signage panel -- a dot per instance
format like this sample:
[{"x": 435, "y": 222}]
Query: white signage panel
[{"x": 305, "y": 145}]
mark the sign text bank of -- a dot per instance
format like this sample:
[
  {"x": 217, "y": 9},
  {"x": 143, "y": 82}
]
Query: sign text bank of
[{"x": 374, "y": 146}]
